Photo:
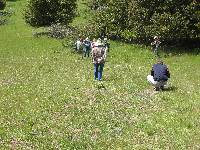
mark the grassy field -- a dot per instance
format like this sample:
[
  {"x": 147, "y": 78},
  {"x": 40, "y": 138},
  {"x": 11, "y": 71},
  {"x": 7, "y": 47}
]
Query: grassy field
[{"x": 49, "y": 100}]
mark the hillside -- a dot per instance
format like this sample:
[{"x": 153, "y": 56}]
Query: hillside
[{"x": 49, "y": 100}]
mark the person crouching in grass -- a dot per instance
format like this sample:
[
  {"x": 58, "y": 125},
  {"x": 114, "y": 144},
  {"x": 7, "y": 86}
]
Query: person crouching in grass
[{"x": 159, "y": 75}]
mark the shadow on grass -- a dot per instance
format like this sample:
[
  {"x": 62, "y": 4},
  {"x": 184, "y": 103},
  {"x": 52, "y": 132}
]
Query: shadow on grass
[
  {"x": 174, "y": 51},
  {"x": 188, "y": 47},
  {"x": 171, "y": 88}
]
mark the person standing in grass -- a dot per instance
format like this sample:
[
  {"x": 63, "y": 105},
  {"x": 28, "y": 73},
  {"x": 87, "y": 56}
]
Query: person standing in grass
[
  {"x": 78, "y": 45},
  {"x": 106, "y": 43},
  {"x": 159, "y": 75},
  {"x": 155, "y": 45},
  {"x": 98, "y": 59},
  {"x": 86, "y": 47}
]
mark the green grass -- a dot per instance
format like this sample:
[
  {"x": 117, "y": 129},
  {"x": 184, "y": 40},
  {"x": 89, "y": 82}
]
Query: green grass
[
  {"x": 49, "y": 100},
  {"x": 83, "y": 14}
]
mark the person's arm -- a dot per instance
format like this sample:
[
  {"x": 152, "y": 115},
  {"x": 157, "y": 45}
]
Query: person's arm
[
  {"x": 84, "y": 43},
  {"x": 167, "y": 73},
  {"x": 92, "y": 55},
  {"x": 105, "y": 54},
  {"x": 152, "y": 72},
  {"x": 153, "y": 43}
]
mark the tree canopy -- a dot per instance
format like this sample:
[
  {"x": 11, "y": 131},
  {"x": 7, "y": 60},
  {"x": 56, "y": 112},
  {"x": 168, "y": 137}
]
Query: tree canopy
[
  {"x": 47, "y": 12},
  {"x": 142, "y": 19}
]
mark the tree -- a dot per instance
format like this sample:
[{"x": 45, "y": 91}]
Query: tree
[
  {"x": 47, "y": 12},
  {"x": 142, "y": 19},
  {"x": 167, "y": 18},
  {"x": 112, "y": 17}
]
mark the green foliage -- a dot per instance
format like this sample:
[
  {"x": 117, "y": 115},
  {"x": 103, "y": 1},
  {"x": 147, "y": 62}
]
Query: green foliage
[
  {"x": 112, "y": 18},
  {"x": 169, "y": 19},
  {"x": 47, "y": 12},
  {"x": 2, "y": 4},
  {"x": 5, "y": 12},
  {"x": 142, "y": 19},
  {"x": 5, "y": 15}
]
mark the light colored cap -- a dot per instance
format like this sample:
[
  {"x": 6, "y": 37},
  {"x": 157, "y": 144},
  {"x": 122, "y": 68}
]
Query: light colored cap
[
  {"x": 87, "y": 39},
  {"x": 155, "y": 37}
]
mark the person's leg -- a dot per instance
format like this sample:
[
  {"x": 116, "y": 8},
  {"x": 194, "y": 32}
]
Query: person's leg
[
  {"x": 96, "y": 71},
  {"x": 88, "y": 52},
  {"x": 162, "y": 84},
  {"x": 77, "y": 48},
  {"x": 107, "y": 47},
  {"x": 84, "y": 51},
  {"x": 156, "y": 51},
  {"x": 153, "y": 82},
  {"x": 100, "y": 71}
]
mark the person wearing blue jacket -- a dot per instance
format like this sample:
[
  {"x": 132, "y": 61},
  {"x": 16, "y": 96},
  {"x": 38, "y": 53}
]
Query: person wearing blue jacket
[
  {"x": 159, "y": 75},
  {"x": 86, "y": 47}
]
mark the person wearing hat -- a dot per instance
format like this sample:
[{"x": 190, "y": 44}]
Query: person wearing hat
[
  {"x": 87, "y": 47},
  {"x": 78, "y": 45},
  {"x": 155, "y": 45},
  {"x": 106, "y": 43},
  {"x": 98, "y": 59},
  {"x": 159, "y": 75}
]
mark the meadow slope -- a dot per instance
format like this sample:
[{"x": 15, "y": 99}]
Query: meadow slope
[{"x": 49, "y": 100}]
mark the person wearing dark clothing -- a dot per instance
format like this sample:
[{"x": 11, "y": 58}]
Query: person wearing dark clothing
[
  {"x": 87, "y": 47},
  {"x": 159, "y": 75},
  {"x": 106, "y": 44}
]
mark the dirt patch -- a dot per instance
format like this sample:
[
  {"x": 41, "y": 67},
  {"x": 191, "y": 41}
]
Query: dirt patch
[{"x": 6, "y": 82}]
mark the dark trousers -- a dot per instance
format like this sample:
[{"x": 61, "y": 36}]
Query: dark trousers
[
  {"x": 98, "y": 71},
  {"x": 86, "y": 52}
]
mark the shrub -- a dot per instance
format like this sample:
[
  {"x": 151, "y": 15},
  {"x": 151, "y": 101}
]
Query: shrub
[
  {"x": 47, "y": 12},
  {"x": 60, "y": 31},
  {"x": 97, "y": 4},
  {"x": 113, "y": 18}
]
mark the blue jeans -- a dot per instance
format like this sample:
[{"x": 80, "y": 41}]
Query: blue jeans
[{"x": 98, "y": 70}]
